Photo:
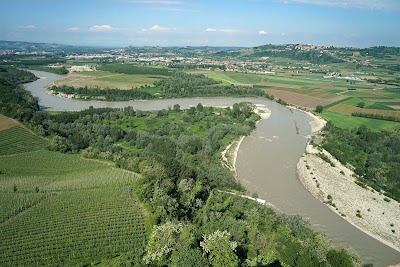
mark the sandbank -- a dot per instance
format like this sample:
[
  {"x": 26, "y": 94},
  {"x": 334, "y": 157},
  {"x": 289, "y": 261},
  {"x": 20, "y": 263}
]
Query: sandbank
[{"x": 366, "y": 209}]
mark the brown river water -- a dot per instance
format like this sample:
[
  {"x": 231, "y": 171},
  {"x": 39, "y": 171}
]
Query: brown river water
[{"x": 266, "y": 163}]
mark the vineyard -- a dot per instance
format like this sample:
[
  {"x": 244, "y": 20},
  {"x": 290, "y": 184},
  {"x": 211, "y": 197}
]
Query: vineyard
[
  {"x": 61, "y": 209},
  {"x": 74, "y": 226},
  {"x": 19, "y": 140}
]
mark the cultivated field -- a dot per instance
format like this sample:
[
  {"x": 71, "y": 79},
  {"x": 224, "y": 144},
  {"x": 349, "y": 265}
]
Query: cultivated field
[
  {"x": 340, "y": 96},
  {"x": 105, "y": 79},
  {"x": 299, "y": 99},
  {"x": 348, "y": 110},
  {"x": 6, "y": 123},
  {"x": 18, "y": 139},
  {"x": 60, "y": 210},
  {"x": 349, "y": 122}
]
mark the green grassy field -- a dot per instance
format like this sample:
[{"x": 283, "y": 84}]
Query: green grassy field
[
  {"x": 244, "y": 78},
  {"x": 349, "y": 122},
  {"x": 60, "y": 209},
  {"x": 220, "y": 76},
  {"x": 106, "y": 79}
]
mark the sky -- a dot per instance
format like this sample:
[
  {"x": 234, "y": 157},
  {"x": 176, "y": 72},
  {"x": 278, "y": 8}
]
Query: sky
[{"x": 240, "y": 23}]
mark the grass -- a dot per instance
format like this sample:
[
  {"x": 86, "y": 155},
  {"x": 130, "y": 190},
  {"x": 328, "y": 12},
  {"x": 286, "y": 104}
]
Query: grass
[
  {"x": 350, "y": 122},
  {"x": 348, "y": 110},
  {"x": 225, "y": 79},
  {"x": 290, "y": 81},
  {"x": 59, "y": 209},
  {"x": 354, "y": 101},
  {"x": 106, "y": 79},
  {"x": 244, "y": 77}
]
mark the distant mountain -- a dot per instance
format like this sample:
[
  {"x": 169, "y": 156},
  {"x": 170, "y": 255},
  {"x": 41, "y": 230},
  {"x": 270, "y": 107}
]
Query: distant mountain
[
  {"x": 32, "y": 47},
  {"x": 19, "y": 46}
]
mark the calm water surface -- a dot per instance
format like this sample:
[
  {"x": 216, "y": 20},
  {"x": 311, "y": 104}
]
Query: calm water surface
[{"x": 266, "y": 163}]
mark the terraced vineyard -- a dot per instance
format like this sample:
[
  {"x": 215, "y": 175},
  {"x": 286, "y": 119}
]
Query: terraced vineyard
[
  {"x": 59, "y": 209},
  {"x": 19, "y": 140},
  {"x": 73, "y": 226}
]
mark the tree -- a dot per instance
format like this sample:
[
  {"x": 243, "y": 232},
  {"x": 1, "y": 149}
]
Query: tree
[
  {"x": 220, "y": 249},
  {"x": 199, "y": 107},
  {"x": 361, "y": 104},
  {"x": 162, "y": 241},
  {"x": 177, "y": 108},
  {"x": 186, "y": 253},
  {"x": 338, "y": 258},
  {"x": 191, "y": 111},
  {"x": 319, "y": 109}
]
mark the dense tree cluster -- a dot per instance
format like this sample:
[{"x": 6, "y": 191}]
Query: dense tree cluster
[
  {"x": 375, "y": 116},
  {"x": 15, "y": 101},
  {"x": 56, "y": 70},
  {"x": 16, "y": 76},
  {"x": 233, "y": 231},
  {"x": 191, "y": 85},
  {"x": 375, "y": 155},
  {"x": 103, "y": 94}
]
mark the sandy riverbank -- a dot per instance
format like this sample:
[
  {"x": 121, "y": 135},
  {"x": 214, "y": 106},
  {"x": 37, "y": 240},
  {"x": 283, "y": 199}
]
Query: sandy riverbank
[
  {"x": 366, "y": 209},
  {"x": 229, "y": 155}
]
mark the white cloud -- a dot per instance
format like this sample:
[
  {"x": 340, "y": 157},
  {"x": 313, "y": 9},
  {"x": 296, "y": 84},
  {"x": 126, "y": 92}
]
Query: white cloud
[
  {"x": 211, "y": 30},
  {"x": 369, "y": 4},
  {"x": 262, "y": 33},
  {"x": 158, "y": 28},
  {"x": 101, "y": 28},
  {"x": 73, "y": 29},
  {"x": 284, "y": 34},
  {"x": 27, "y": 27}
]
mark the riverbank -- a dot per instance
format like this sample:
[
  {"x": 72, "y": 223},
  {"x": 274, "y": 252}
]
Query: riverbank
[
  {"x": 334, "y": 185},
  {"x": 229, "y": 155}
]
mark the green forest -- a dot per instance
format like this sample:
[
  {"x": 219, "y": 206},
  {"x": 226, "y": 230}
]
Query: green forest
[
  {"x": 183, "y": 188},
  {"x": 374, "y": 155}
]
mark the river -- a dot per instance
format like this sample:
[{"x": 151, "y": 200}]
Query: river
[{"x": 266, "y": 163}]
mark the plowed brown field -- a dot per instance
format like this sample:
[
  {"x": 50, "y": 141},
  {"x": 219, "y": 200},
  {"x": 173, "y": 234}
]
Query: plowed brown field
[
  {"x": 299, "y": 99},
  {"x": 7, "y": 123}
]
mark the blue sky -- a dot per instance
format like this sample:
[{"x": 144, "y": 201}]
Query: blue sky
[{"x": 359, "y": 23}]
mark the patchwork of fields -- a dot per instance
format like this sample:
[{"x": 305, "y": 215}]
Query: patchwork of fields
[
  {"x": 301, "y": 88},
  {"x": 339, "y": 96},
  {"x": 60, "y": 209}
]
